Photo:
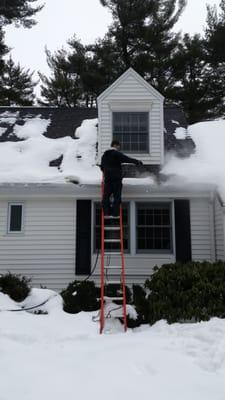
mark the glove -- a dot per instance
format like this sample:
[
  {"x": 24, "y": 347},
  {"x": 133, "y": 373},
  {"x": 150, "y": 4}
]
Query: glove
[{"x": 139, "y": 163}]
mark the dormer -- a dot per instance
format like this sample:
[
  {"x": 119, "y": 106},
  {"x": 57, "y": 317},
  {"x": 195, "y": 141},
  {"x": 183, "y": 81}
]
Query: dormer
[{"x": 131, "y": 111}]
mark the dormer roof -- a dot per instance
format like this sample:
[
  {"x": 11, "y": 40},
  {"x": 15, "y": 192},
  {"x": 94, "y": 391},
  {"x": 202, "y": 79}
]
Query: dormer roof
[{"x": 130, "y": 73}]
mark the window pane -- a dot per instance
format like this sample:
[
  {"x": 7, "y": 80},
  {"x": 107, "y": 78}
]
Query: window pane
[
  {"x": 15, "y": 218},
  {"x": 131, "y": 129},
  {"x": 154, "y": 231}
]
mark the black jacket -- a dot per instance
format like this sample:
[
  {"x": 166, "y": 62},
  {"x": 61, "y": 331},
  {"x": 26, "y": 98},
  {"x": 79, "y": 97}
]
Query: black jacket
[{"x": 111, "y": 163}]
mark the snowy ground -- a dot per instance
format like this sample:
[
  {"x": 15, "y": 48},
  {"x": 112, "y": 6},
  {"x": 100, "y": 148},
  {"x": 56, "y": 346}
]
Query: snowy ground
[{"x": 60, "y": 355}]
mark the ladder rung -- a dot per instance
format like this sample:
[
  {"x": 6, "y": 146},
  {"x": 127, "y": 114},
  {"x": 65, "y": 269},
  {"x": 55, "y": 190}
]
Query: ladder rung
[
  {"x": 113, "y": 282},
  {"x": 113, "y": 253},
  {"x": 112, "y": 240},
  {"x": 113, "y": 266},
  {"x": 112, "y": 298},
  {"x": 112, "y": 228},
  {"x": 111, "y": 217}
]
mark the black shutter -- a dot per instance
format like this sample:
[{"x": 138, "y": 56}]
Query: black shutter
[
  {"x": 83, "y": 238},
  {"x": 182, "y": 230}
]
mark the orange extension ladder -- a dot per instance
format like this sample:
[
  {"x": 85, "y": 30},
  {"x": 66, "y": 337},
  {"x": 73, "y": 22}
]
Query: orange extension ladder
[{"x": 111, "y": 225}]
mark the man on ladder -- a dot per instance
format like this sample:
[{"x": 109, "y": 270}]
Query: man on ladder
[
  {"x": 112, "y": 185},
  {"x": 112, "y": 171}
]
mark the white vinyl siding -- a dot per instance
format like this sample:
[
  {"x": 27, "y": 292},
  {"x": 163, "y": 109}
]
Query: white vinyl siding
[
  {"x": 45, "y": 250},
  {"x": 139, "y": 266},
  {"x": 201, "y": 230},
  {"x": 131, "y": 95},
  {"x": 219, "y": 230}
]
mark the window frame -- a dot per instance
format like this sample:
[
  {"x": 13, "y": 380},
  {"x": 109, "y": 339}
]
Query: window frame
[
  {"x": 10, "y": 205},
  {"x": 171, "y": 226},
  {"x": 136, "y": 151}
]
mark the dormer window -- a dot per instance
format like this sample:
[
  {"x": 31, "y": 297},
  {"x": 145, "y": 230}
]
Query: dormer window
[{"x": 132, "y": 130}]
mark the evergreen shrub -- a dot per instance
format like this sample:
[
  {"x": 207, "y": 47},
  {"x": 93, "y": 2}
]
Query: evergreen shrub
[
  {"x": 186, "y": 292},
  {"x": 114, "y": 290},
  {"x": 140, "y": 303},
  {"x": 15, "y": 286},
  {"x": 80, "y": 296}
]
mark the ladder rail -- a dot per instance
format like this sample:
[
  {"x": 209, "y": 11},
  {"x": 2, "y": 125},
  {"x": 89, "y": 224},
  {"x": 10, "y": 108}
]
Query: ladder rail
[
  {"x": 104, "y": 268},
  {"x": 123, "y": 270},
  {"x": 102, "y": 315}
]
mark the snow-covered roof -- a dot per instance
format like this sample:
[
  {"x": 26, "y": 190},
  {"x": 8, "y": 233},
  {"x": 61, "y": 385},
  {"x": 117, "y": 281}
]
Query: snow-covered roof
[
  {"x": 207, "y": 164},
  {"x": 32, "y": 138},
  {"x": 52, "y": 144},
  {"x": 27, "y": 156}
]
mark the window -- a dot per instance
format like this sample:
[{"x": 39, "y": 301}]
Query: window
[
  {"x": 111, "y": 234},
  {"x": 131, "y": 129},
  {"x": 15, "y": 220},
  {"x": 154, "y": 227}
]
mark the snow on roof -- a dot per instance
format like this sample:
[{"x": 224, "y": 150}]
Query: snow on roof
[
  {"x": 207, "y": 164},
  {"x": 28, "y": 157},
  {"x": 28, "y": 160}
]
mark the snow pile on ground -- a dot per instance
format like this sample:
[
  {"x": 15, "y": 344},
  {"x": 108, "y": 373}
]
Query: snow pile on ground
[
  {"x": 113, "y": 310},
  {"x": 48, "y": 301},
  {"x": 6, "y": 303},
  {"x": 207, "y": 164},
  {"x": 61, "y": 355}
]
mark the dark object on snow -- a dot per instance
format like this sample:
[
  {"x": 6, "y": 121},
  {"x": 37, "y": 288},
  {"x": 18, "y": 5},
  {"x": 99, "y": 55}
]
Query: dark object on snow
[
  {"x": 16, "y": 287},
  {"x": 57, "y": 162},
  {"x": 80, "y": 296}
]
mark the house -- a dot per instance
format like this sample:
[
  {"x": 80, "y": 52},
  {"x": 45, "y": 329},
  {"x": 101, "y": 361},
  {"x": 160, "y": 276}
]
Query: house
[{"x": 50, "y": 188}]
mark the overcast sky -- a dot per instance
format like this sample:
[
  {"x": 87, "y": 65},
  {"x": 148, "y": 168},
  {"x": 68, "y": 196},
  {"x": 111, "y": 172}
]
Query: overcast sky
[{"x": 60, "y": 20}]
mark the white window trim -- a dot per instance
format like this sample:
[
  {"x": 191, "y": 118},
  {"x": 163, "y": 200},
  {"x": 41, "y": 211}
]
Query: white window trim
[
  {"x": 140, "y": 153},
  {"x": 9, "y": 218},
  {"x": 154, "y": 253},
  {"x": 132, "y": 229},
  {"x": 130, "y": 105}
]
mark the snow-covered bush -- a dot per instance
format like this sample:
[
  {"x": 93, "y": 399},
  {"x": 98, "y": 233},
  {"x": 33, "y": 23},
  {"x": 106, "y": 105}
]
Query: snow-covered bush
[
  {"x": 183, "y": 292},
  {"x": 141, "y": 305},
  {"x": 80, "y": 296},
  {"x": 17, "y": 287}
]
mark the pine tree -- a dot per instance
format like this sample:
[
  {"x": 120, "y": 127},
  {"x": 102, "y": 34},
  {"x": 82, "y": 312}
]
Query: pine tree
[
  {"x": 19, "y": 12},
  {"x": 16, "y": 85},
  {"x": 215, "y": 33},
  {"x": 3, "y": 50},
  {"x": 144, "y": 36},
  {"x": 63, "y": 88},
  {"x": 214, "y": 44},
  {"x": 79, "y": 74},
  {"x": 141, "y": 36},
  {"x": 198, "y": 89}
]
